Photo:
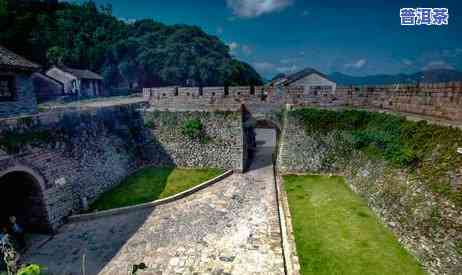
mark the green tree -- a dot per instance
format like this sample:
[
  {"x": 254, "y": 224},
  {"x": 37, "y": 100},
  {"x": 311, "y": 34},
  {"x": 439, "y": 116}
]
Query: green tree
[
  {"x": 145, "y": 52},
  {"x": 3, "y": 9},
  {"x": 56, "y": 55}
]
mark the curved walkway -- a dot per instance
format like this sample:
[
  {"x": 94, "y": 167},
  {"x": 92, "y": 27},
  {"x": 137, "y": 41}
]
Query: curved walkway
[{"x": 229, "y": 228}]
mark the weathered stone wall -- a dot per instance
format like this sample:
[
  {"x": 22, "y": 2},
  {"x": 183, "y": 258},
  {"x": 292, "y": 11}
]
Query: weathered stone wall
[
  {"x": 221, "y": 145},
  {"x": 442, "y": 100},
  {"x": 81, "y": 154},
  {"x": 426, "y": 224},
  {"x": 25, "y": 101}
]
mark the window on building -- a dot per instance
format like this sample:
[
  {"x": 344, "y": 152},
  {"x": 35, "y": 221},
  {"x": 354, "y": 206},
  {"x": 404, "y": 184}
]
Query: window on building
[{"x": 7, "y": 88}]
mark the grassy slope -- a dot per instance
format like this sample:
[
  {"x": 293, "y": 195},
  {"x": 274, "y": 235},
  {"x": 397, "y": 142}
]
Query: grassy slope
[
  {"x": 153, "y": 183},
  {"x": 336, "y": 233}
]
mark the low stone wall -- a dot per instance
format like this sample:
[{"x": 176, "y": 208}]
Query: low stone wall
[
  {"x": 222, "y": 145},
  {"x": 152, "y": 204},
  {"x": 77, "y": 155},
  {"x": 426, "y": 224}
]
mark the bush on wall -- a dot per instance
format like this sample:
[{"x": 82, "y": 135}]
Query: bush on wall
[
  {"x": 31, "y": 269},
  {"x": 194, "y": 129}
]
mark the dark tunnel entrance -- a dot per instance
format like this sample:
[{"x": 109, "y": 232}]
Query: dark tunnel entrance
[
  {"x": 262, "y": 138},
  {"x": 22, "y": 197}
]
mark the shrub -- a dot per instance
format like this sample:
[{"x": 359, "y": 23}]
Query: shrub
[
  {"x": 149, "y": 123},
  {"x": 193, "y": 129},
  {"x": 12, "y": 141},
  {"x": 31, "y": 269}
]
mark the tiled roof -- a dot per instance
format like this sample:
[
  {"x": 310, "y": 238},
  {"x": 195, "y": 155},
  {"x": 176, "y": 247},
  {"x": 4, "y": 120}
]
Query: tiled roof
[
  {"x": 84, "y": 74},
  {"x": 11, "y": 60},
  {"x": 301, "y": 74}
]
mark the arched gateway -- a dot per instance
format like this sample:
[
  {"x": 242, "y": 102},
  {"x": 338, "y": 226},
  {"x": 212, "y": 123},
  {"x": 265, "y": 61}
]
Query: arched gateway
[{"x": 22, "y": 196}]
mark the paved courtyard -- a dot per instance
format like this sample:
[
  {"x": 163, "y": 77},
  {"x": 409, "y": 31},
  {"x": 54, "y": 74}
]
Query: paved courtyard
[{"x": 229, "y": 228}]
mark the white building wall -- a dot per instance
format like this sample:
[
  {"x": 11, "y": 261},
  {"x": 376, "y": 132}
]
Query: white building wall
[
  {"x": 70, "y": 82},
  {"x": 314, "y": 80}
]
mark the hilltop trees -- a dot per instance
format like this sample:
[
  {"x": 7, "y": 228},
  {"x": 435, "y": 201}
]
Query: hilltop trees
[{"x": 144, "y": 53}]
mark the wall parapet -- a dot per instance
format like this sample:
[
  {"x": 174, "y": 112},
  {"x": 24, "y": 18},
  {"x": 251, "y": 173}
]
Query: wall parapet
[{"x": 441, "y": 100}]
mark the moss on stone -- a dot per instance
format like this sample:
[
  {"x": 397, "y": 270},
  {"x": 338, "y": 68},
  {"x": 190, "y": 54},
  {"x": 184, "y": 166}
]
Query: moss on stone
[{"x": 429, "y": 150}]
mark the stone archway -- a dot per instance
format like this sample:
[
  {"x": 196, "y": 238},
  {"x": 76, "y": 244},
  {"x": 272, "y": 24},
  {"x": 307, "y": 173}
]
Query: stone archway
[{"x": 22, "y": 196}]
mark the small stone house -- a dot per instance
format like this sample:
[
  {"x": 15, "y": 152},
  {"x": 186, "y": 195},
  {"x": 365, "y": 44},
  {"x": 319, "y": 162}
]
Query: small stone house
[
  {"x": 81, "y": 83},
  {"x": 312, "y": 80},
  {"x": 17, "y": 95}
]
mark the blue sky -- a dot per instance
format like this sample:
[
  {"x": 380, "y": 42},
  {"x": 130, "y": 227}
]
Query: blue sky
[{"x": 354, "y": 37}]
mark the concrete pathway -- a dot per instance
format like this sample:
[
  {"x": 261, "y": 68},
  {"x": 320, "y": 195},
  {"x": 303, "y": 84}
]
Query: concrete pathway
[{"x": 231, "y": 227}]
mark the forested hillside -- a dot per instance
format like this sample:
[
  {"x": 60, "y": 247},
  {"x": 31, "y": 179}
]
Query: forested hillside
[{"x": 143, "y": 53}]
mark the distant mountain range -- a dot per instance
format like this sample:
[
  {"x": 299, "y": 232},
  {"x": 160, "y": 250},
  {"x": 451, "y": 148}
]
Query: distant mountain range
[{"x": 430, "y": 76}]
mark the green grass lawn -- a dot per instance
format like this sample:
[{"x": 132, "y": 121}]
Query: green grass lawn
[
  {"x": 150, "y": 184},
  {"x": 336, "y": 232}
]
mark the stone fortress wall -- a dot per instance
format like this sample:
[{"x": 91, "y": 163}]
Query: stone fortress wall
[
  {"x": 441, "y": 100},
  {"x": 402, "y": 200},
  {"x": 75, "y": 156}
]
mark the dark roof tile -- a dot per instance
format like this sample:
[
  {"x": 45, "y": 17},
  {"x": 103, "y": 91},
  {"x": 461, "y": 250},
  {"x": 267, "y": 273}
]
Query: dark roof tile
[
  {"x": 9, "y": 59},
  {"x": 301, "y": 74}
]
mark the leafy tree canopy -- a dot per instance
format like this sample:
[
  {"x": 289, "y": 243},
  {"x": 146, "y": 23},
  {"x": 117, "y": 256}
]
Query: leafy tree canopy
[{"x": 143, "y": 53}]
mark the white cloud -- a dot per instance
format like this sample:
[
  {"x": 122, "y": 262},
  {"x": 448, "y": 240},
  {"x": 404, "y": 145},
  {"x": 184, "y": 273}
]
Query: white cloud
[
  {"x": 288, "y": 69},
  {"x": 356, "y": 65},
  {"x": 437, "y": 64},
  {"x": 264, "y": 66},
  {"x": 289, "y": 60},
  {"x": 255, "y": 8},
  {"x": 127, "y": 20},
  {"x": 233, "y": 46},
  {"x": 407, "y": 62},
  {"x": 247, "y": 50}
]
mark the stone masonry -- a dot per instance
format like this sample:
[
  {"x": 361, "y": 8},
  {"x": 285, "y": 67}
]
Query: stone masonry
[
  {"x": 399, "y": 198},
  {"x": 78, "y": 155},
  {"x": 442, "y": 100},
  {"x": 230, "y": 227}
]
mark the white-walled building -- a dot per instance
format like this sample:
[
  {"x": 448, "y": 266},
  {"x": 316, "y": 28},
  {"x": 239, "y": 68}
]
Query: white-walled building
[
  {"x": 82, "y": 83},
  {"x": 311, "y": 79}
]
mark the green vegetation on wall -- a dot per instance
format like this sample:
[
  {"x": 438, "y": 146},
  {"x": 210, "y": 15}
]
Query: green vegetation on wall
[
  {"x": 13, "y": 142},
  {"x": 193, "y": 128},
  {"x": 429, "y": 151},
  {"x": 31, "y": 269}
]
